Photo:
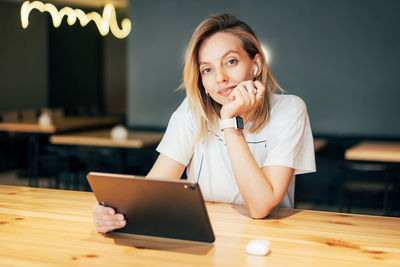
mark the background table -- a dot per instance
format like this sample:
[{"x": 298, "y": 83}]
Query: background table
[
  {"x": 43, "y": 227},
  {"x": 34, "y": 130},
  {"x": 102, "y": 139},
  {"x": 59, "y": 125},
  {"x": 375, "y": 151}
]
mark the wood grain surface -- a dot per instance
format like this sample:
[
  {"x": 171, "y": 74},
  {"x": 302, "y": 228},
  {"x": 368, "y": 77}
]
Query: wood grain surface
[
  {"x": 375, "y": 151},
  {"x": 62, "y": 124},
  {"x": 102, "y": 138},
  {"x": 43, "y": 227}
]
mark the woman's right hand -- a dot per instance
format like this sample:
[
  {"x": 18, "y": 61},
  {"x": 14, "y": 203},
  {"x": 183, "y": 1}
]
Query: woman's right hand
[
  {"x": 106, "y": 220},
  {"x": 244, "y": 97}
]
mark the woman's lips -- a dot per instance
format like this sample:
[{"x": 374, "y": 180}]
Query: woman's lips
[{"x": 226, "y": 91}]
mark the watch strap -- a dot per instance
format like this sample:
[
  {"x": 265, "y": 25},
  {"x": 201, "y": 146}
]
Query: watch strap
[{"x": 235, "y": 122}]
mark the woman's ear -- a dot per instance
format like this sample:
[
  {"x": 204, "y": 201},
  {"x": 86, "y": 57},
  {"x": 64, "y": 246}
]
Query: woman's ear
[
  {"x": 255, "y": 71},
  {"x": 258, "y": 64}
]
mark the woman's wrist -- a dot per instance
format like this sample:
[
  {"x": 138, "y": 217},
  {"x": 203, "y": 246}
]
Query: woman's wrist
[
  {"x": 226, "y": 116},
  {"x": 233, "y": 131}
]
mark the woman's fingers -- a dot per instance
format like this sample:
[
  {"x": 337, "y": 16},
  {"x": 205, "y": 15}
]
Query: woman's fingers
[
  {"x": 252, "y": 91},
  {"x": 249, "y": 92},
  {"x": 260, "y": 89},
  {"x": 243, "y": 98},
  {"x": 241, "y": 95},
  {"x": 102, "y": 221},
  {"x": 99, "y": 209},
  {"x": 105, "y": 229},
  {"x": 106, "y": 223},
  {"x": 111, "y": 218},
  {"x": 105, "y": 219}
]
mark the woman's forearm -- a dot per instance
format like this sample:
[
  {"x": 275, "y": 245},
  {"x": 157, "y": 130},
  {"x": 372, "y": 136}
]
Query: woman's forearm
[{"x": 255, "y": 188}]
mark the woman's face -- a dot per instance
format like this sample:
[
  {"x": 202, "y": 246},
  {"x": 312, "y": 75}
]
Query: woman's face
[{"x": 223, "y": 64}]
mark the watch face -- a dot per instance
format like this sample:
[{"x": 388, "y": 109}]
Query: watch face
[{"x": 239, "y": 123}]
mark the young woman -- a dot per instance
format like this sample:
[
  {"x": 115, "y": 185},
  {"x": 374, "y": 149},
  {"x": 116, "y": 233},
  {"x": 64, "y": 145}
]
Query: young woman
[{"x": 229, "y": 85}]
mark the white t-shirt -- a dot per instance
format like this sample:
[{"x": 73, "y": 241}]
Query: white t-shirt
[{"x": 286, "y": 140}]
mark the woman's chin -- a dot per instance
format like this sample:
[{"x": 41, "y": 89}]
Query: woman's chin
[{"x": 223, "y": 100}]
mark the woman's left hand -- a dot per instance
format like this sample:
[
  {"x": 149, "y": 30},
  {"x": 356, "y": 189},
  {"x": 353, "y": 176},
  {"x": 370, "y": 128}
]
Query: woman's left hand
[{"x": 243, "y": 98}]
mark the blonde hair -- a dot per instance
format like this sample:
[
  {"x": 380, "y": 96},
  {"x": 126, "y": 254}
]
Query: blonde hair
[{"x": 204, "y": 108}]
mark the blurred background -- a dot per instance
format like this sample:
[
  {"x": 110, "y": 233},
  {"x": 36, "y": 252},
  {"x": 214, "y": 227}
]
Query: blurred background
[{"x": 340, "y": 56}]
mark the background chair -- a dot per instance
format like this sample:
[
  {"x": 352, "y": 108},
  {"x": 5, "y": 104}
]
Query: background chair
[
  {"x": 10, "y": 116},
  {"x": 8, "y": 141},
  {"x": 57, "y": 113},
  {"x": 29, "y": 115},
  {"x": 363, "y": 181}
]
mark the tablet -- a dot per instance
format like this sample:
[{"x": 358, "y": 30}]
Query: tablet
[{"x": 155, "y": 207}]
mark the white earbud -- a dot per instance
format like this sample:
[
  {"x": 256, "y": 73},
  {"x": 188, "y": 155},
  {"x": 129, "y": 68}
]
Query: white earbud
[{"x": 255, "y": 71}]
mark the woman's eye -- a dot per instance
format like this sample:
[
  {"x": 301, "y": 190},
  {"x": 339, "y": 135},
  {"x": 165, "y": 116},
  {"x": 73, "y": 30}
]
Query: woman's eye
[
  {"x": 205, "y": 70},
  {"x": 232, "y": 61}
]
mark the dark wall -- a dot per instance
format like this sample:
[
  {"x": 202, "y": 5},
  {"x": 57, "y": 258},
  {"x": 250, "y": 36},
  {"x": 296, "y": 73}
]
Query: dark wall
[
  {"x": 23, "y": 60},
  {"x": 114, "y": 71},
  {"x": 340, "y": 56},
  {"x": 69, "y": 66},
  {"x": 75, "y": 67}
]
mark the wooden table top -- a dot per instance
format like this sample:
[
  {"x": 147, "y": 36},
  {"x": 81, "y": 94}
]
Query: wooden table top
[
  {"x": 44, "y": 227},
  {"x": 102, "y": 138},
  {"x": 375, "y": 151},
  {"x": 59, "y": 125}
]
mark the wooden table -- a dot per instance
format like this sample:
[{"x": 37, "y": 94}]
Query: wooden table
[
  {"x": 102, "y": 138},
  {"x": 60, "y": 125},
  {"x": 43, "y": 227},
  {"x": 375, "y": 151}
]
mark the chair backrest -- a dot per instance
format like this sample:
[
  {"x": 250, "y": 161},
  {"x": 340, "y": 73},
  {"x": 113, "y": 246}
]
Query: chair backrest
[
  {"x": 57, "y": 113},
  {"x": 365, "y": 166},
  {"x": 80, "y": 111},
  {"x": 29, "y": 115},
  {"x": 10, "y": 116},
  {"x": 94, "y": 110}
]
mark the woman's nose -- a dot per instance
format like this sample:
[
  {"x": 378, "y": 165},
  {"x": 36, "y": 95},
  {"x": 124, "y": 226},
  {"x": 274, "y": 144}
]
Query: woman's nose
[{"x": 221, "y": 76}]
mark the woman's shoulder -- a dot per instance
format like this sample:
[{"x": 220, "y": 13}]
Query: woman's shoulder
[
  {"x": 287, "y": 104},
  {"x": 184, "y": 113},
  {"x": 287, "y": 100},
  {"x": 183, "y": 109},
  {"x": 287, "y": 109},
  {"x": 184, "y": 106}
]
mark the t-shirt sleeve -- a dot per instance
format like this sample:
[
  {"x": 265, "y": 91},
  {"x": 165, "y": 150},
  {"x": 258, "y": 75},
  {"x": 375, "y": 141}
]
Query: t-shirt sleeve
[
  {"x": 293, "y": 141},
  {"x": 177, "y": 142}
]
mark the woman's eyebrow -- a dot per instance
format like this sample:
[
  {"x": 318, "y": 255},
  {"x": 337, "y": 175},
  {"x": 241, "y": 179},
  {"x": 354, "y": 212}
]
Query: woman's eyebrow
[{"x": 224, "y": 55}]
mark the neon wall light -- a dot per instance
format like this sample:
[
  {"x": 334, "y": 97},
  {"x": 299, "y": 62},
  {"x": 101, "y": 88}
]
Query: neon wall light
[{"x": 104, "y": 23}]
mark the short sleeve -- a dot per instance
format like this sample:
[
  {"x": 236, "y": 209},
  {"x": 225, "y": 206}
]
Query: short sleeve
[
  {"x": 290, "y": 129},
  {"x": 177, "y": 142}
]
